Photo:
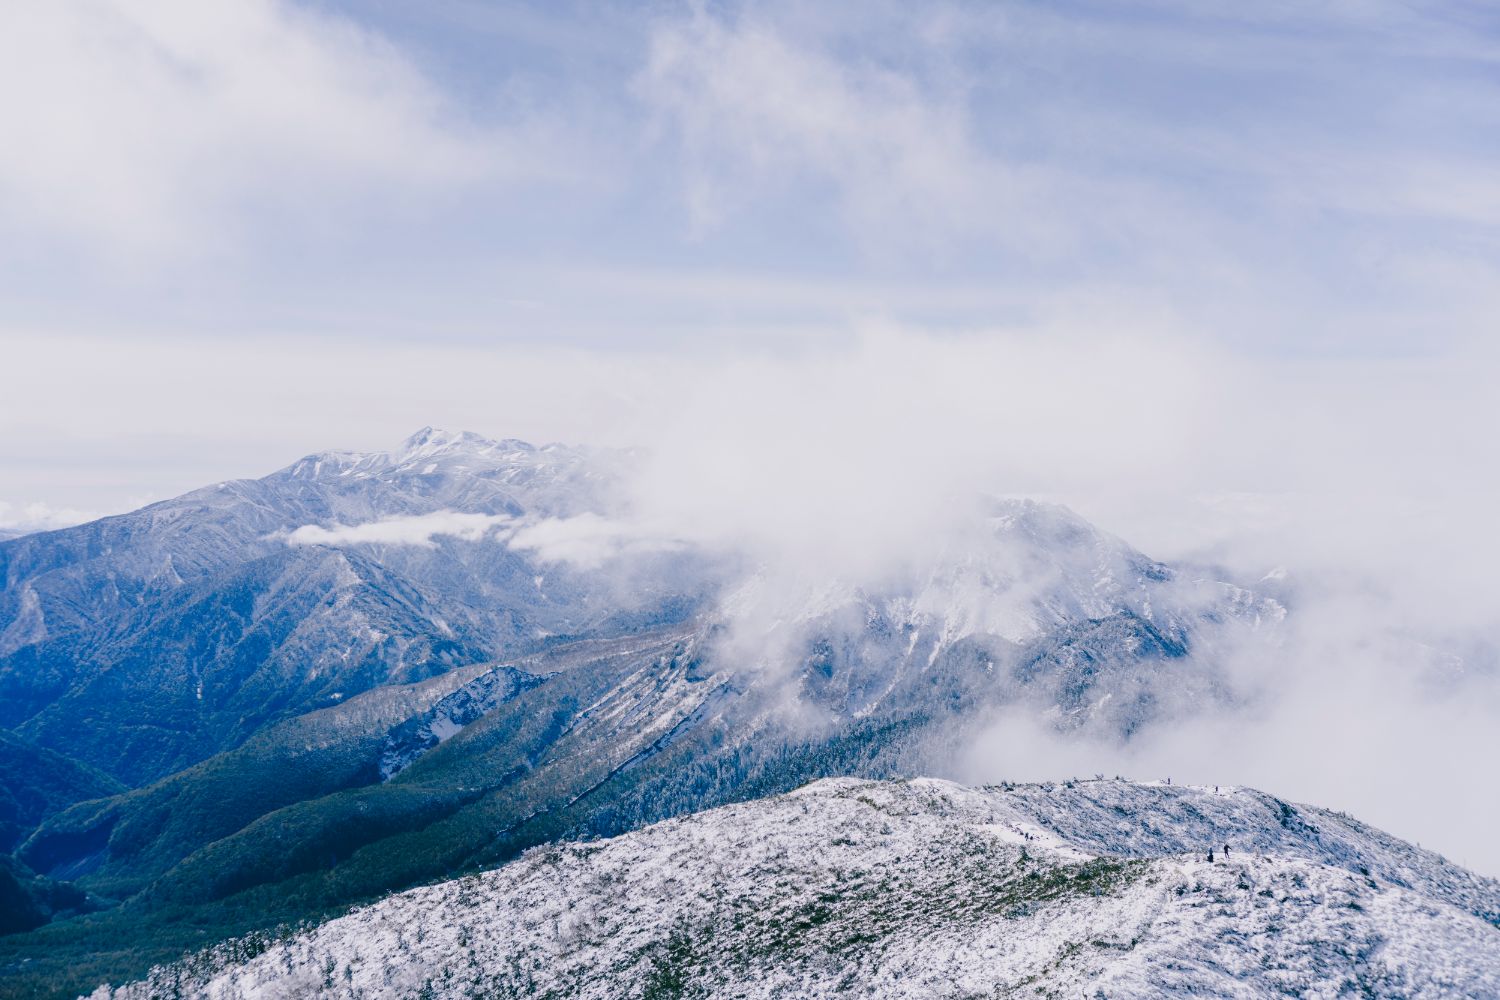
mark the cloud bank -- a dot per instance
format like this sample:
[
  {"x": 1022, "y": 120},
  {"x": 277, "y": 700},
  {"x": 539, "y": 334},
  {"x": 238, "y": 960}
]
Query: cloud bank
[
  {"x": 41, "y": 516},
  {"x": 1344, "y": 712},
  {"x": 168, "y": 126},
  {"x": 1358, "y": 483},
  {"x": 589, "y": 541},
  {"x": 586, "y": 541},
  {"x": 418, "y": 530},
  {"x": 754, "y": 107}
]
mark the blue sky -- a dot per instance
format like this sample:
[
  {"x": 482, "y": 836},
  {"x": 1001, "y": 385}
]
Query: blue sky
[{"x": 360, "y": 180}]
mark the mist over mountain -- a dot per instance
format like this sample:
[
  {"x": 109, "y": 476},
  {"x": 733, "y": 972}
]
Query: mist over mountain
[
  {"x": 257, "y": 704},
  {"x": 365, "y": 671},
  {"x": 1000, "y": 436},
  {"x": 146, "y": 642}
]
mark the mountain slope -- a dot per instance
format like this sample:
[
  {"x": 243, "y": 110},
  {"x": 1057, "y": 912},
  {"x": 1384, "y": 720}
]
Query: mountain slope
[
  {"x": 28, "y": 900},
  {"x": 322, "y": 811},
  {"x": 36, "y": 783},
  {"x": 918, "y": 889},
  {"x": 1039, "y": 606},
  {"x": 119, "y": 845},
  {"x": 144, "y": 643},
  {"x": 312, "y": 722}
]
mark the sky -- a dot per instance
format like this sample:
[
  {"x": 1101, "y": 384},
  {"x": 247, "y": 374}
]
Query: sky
[
  {"x": 1224, "y": 277},
  {"x": 225, "y": 227}
]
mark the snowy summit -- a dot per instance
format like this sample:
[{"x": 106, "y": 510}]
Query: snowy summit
[{"x": 916, "y": 889}]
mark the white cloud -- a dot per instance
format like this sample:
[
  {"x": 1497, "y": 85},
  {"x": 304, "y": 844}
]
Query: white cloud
[
  {"x": 41, "y": 516},
  {"x": 851, "y": 461},
  {"x": 1277, "y": 171},
  {"x": 588, "y": 541},
  {"x": 854, "y": 457},
  {"x": 754, "y": 107},
  {"x": 166, "y": 126},
  {"x": 1344, "y": 712},
  {"x": 415, "y": 530}
]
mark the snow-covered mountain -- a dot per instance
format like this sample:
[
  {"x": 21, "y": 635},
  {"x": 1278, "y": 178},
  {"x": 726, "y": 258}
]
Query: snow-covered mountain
[
  {"x": 916, "y": 889},
  {"x": 344, "y": 679},
  {"x": 143, "y": 643},
  {"x": 1030, "y": 604}
]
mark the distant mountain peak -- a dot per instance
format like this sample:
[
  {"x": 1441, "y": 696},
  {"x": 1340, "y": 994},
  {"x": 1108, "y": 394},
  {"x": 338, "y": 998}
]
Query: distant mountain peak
[
  {"x": 429, "y": 450},
  {"x": 435, "y": 440}
]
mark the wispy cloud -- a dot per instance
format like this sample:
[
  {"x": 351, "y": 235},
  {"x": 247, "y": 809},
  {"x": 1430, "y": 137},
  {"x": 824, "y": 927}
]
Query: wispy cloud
[
  {"x": 1279, "y": 176},
  {"x": 589, "y": 541},
  {"x": 1343, "y": 710},
  {"x": 41, "y": 516},
  {"x": 151, "y": 128},
  {"x": 417, "y": 530},
  {"x": 585, "y": 541},
  {"x": 755, "y": 108},
  {"x": 1261, "y": 168}
]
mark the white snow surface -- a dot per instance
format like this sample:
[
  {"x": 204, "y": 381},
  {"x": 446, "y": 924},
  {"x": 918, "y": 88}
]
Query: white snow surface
[{"x": 916, "y": 889}]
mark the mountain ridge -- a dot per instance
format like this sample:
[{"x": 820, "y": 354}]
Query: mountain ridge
[
  {"x": 920, "y": 888},
  {"x": 310, "y": 725}
]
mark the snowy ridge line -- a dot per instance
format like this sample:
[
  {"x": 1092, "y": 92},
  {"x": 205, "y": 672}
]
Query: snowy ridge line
[
  {"x": 911, "y": 889},
  {"x": 1088, "y": 814}
]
